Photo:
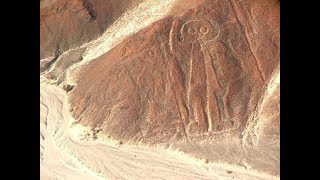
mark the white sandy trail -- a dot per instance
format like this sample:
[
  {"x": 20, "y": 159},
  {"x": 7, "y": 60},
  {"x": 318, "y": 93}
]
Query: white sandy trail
[{"x": 66, "y": 157}]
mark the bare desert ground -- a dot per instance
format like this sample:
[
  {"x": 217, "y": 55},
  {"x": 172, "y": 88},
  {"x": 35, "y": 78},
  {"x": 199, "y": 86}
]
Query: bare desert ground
[
  {"x": 167, "y": 89},
  {"x": 69, "y": 152}
]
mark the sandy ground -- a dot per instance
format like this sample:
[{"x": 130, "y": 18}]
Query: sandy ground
[{"x": 67, "y": 154}]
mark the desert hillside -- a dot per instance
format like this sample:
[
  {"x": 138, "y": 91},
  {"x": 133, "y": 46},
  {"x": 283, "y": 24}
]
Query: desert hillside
[{"x": 160, "y": 89}]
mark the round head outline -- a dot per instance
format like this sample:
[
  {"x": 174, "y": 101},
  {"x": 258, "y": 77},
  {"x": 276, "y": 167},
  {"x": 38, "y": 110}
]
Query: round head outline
[{"x": 194, "y": 30}]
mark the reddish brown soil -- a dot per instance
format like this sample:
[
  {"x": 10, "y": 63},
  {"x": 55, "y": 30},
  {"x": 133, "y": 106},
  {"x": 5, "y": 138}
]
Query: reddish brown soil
[
  {"x": 191, "y": 75},
  {"x": 66, "y": 24}
]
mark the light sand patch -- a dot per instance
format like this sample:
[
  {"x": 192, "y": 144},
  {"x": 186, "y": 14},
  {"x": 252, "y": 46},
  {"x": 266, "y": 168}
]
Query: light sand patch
[{"x": 256, "y": 121}]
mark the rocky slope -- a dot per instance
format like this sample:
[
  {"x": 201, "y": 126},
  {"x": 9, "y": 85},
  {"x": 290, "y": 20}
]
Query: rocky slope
[
  {"x": 203, "y": 78},
  {"x": 66, "y": 24}
]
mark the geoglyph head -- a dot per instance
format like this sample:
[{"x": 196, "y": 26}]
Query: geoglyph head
[{"x": 201, "y": 30}]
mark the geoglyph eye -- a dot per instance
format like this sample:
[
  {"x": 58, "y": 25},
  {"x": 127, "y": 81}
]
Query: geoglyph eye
[
  {"x": 191, "y": 31},
  {"x": 204, "y": 30}
]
